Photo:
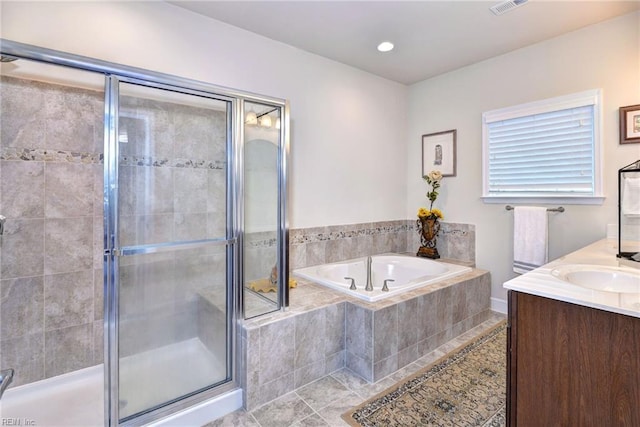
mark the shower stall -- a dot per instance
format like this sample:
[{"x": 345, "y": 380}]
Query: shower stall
[{"x": 135, "y": 207}]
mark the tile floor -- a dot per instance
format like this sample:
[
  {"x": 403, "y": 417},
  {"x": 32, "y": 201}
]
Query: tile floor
[{"x": 322, "y": 402}]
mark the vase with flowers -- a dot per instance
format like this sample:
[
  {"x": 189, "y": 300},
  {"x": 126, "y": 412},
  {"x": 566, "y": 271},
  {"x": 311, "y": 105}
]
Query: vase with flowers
[{"x": 429, "y": 219}]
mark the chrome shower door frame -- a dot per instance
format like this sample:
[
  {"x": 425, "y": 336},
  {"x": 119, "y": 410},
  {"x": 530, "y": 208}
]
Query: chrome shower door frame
[
  {"x": 114, "y": 73},
  {"x": 114, "y": 251}
]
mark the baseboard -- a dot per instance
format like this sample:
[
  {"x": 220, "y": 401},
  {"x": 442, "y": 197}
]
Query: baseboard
[{"x": 499, "y": 305}]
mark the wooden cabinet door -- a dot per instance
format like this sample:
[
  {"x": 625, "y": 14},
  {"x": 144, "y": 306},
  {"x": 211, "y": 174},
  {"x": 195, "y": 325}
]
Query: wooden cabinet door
[{"x": 571, "y": 365}]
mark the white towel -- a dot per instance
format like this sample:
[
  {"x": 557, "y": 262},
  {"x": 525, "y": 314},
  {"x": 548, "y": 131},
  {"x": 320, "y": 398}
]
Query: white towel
[
  {"x": 530, "y": 234},
  {"x": 631, "y": 197}
]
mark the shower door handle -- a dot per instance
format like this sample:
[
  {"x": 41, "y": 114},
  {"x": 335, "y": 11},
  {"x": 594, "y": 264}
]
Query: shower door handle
[{"x": 168, "y": 247}]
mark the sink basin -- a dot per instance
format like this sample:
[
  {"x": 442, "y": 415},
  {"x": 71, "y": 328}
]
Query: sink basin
[{"x": 600, "y": 278}]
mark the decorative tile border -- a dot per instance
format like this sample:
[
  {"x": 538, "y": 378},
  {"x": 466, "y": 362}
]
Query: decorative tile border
[
  {"x": 449, "y": 232},
  {"x": 176, "y": 163},
  {"x": 264, "y": 243},
  {"x": 44, "y": 155},
  {"x": 309, "y": 235}
]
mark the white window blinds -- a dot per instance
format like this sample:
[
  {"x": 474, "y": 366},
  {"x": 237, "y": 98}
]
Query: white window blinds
[{"x": 547, "y": 151}]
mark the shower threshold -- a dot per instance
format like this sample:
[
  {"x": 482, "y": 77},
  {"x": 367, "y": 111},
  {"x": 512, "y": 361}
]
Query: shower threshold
[{"x": 77, "y": 398}]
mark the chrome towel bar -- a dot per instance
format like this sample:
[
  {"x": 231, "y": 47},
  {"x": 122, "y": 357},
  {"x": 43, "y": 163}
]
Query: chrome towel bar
[{"x": 558, "y": 209}]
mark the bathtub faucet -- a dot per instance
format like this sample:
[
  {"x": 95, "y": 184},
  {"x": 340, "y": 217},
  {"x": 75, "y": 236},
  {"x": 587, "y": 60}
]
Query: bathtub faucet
[
  {"x": 369, "y": 286},
  {"x": 6, "y": 376}
]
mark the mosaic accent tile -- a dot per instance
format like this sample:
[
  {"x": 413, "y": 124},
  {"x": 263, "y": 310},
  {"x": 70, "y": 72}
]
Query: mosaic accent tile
[
  {"x": 45, "y": 155},
  {"x": 175, "y": 163},
  {"x": 63, "y": 156},
  {"x": 301, "y": 236}
]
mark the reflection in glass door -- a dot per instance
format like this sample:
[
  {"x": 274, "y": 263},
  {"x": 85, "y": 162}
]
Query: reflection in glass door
[
  {"x": 262, "y": 149},
  {"x": 171, "y": 240}
]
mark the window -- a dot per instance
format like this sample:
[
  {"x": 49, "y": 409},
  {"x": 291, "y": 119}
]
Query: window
[{"x": 544, "y": 150}]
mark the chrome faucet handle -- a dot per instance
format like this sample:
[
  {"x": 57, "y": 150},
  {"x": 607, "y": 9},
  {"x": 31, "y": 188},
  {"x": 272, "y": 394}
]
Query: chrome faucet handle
[
  {"x": 385, "y": 288},
  {"x": 353, "y": 283}
]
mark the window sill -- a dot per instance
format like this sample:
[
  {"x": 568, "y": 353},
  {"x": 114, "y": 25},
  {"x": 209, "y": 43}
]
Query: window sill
[{"x": 548, "y": 200}]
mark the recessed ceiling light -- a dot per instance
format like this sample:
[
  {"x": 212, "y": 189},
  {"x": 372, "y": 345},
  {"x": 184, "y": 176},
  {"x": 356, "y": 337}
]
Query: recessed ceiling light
[{"x": 385, "y": 46}]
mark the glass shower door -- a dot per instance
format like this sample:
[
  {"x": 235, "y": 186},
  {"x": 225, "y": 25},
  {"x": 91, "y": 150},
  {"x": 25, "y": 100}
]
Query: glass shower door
[{"x": 172, "y": 244}]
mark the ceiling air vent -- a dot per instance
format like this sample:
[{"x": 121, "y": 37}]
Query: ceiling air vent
[{"x": 506, "y": 6}]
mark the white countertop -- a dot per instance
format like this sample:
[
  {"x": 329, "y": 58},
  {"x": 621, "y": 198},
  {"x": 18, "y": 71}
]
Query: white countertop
[{"x": 540, "y": 281}]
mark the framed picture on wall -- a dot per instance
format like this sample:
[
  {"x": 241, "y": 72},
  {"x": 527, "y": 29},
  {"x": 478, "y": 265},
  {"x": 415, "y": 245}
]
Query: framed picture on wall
[
  {"x": 439, "y": 152},
  {"x": 630, "y": 124}
]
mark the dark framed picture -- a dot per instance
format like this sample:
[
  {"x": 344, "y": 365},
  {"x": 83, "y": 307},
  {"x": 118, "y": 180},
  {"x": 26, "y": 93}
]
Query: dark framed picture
[
  {"x": 630, "y": 124},
  {"x": 439, "y": 152}
]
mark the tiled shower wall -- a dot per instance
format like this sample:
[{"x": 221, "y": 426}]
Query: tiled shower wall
[
  {"x": 51, "y": 174},
  {"x": 50, "y": 257}
]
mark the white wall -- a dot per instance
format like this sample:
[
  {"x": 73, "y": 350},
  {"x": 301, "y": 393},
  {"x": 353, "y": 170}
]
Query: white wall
[
  {"x": 348, "y": 151},
  {"x": 606, "y": 55}
]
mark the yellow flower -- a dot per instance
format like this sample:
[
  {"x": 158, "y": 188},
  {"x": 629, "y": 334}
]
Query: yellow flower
[
  {"x": 437, "y": 212},
  {"x": 422, "y": 212}
]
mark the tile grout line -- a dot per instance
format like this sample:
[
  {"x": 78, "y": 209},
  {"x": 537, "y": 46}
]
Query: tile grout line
[
  {"x": 316, "y": 411},
  {"x": 254, "y": 419},
  {"x": 313, "y": 411}
]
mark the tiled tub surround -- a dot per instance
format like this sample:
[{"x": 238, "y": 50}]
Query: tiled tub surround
[
  {"x": 51, "y": 191},
  {"x": 323, "y": 245},
  {"x": 324, "y": 331}
]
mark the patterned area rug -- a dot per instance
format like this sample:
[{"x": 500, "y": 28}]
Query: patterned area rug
[{"x": 464, "y": 388}]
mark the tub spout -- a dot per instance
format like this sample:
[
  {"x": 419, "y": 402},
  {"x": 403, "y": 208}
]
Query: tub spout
[
  {"x": 6, "y": 376},
  {"x": 369, "y": 286}
]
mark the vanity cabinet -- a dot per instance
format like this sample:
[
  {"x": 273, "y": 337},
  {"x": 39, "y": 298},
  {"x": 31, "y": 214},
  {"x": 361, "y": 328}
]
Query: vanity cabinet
[{"x": 571, "y": 365}]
